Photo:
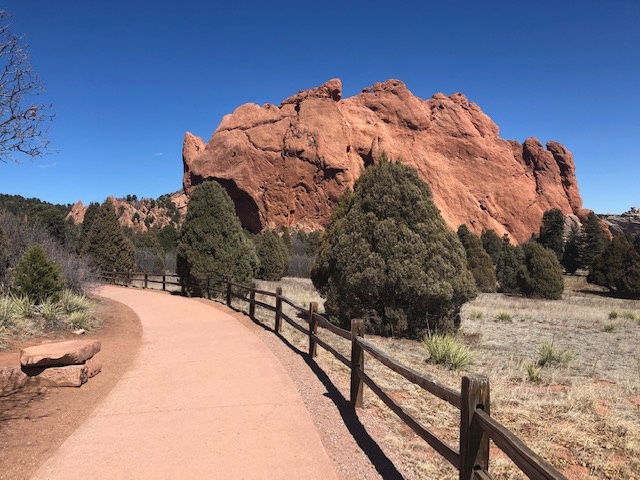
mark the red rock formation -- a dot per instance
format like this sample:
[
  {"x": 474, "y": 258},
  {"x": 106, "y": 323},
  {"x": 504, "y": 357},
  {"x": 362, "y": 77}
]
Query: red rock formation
[{"x": 287, "y": 165}]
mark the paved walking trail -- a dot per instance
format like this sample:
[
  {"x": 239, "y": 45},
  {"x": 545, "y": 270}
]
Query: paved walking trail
[{"x": 204, "y": 399}]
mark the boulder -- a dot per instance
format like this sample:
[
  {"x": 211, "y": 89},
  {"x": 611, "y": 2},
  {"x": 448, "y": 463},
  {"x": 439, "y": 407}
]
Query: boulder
[
  {"x": 69, "y": 376},
  {"x": 72, "y": 352},
  {"x": 287, "y": 165},
  {"x": 94, "y": 366}
]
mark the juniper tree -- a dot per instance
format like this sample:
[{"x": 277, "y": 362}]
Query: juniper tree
[
  {"x": 478, "y": 260},
  {"x": 540, "y": 275},
  {"x": 388, "y": 257},
  {"x": 37, "y": 276},
  {"x": 211, "y": 239},
  {"x": 492, "y": 244},
  {"x": 572, "y": 255},
  {"x": 105, "y": 244},
  {"x": 273, "y": 255},
  {"x": 509, "y": 263},
  {"x": 595, "y": 240},
  {"x": 607, "y": 268}
]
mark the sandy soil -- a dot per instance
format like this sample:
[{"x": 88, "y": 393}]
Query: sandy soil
[{"x": 35, "y": 422}]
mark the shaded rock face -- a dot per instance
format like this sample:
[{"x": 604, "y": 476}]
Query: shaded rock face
[
  {"x": 287, "y": 165},
  {"x": 627, "y": 223}
]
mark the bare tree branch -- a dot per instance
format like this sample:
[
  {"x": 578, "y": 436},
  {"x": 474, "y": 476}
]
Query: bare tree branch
[{"x": 23, "y": 123}]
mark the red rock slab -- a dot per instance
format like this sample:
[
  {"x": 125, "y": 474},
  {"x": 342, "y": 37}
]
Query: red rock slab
[
  {"x": 68, "y": 376},
  {"x": 94, "y": 366},
  {"x": 60, "y": 354}
]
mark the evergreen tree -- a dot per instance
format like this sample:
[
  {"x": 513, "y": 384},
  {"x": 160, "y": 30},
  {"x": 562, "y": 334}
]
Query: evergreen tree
[
  {"x": 3, "y": 257},
  {"x": 628, "y": 284},
  {"x": 105, "y": 243},
  {"x": 388, "y": 257},
  {"x": 572, "y": 255},
  {"x": 541, "y": 274},
  {"x": 607, "y": 268},
  {"x": 552, "y": 231},
  {"x": 149, "y": 255},
  {"x": 509, "y": 263},
  {"x": 478, "y": 260},
  {"x": 211, "y": 239},
  {"x": 168, "y": 237},
  {"x": 89, "y": 215},
  {"x": 273, "y": 255},
  {"x": 595, "y": 240},
  {"x": 37, "y": 276},
  {"x": 492, "y": 244}
]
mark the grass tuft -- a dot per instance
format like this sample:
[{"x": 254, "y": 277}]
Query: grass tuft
[
  {"x": 534, "y": 373},
  {"x": 609, "y": 327},
  {"x": 449, "y": 351},
  {"x": 25, "y": 307},
  {"x": 549, "y": 354},
  {"x": 613, "y": 315},
  {"x": 8, "y": 312},
  {"x": 629, "y": 315},
  {"x": 504, "y": 317},
  {"x": 51, "y": 311}
]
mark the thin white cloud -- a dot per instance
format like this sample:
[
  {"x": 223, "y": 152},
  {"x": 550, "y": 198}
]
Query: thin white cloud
[
  {"x": 48, "y": 165},
  {"x": 158, "y": 154}
]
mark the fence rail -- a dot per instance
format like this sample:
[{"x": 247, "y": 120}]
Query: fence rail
[{"x": 477, "y": 426}]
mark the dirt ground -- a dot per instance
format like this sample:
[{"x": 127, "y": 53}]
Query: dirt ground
[{"x": 35, "y": 422}]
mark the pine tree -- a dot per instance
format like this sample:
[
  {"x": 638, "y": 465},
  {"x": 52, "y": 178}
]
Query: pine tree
[
  {"x": 552, "y": 231},
  {"x": 105, "y": 244},
  {"x": 212, "y": 241},
  {"x": 541, "y": 274},
  {"x": 572, "y": 255},
  {"x": 595, "y": 240},
  {"x": 607, "y": 268},
  {"x": 388, "y": 257},
  {"x": 37, "y": 276},
  {"x": 478, "y": 260},
  {"x": 509, "y": 263}
]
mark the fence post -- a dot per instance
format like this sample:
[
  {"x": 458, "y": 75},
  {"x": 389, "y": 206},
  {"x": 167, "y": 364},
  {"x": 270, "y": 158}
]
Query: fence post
[
  {"x": 207, "y": 286},
  {"x": 146, "y": 281},
  {"x": 164, "y": 283},
  {"x": 113, "y": 277},
  {"x": 474, "y": 442},
  {"x": 278, "y": 309},
  {"x": 313, "y": 328},
  {"x": 252, "y": 301},
  {"x": 228, "y": 292},
  {"x": 357, "y": 362}
]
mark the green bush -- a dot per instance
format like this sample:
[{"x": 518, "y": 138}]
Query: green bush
[
  {"x": 541, "y": 274},
  {"x": 273, "y": 255},
  {"x": 36, "y": 276},
  {"x": 478, "y": 260},
  {"x": 388, "y": 257},
  {"x": 447, "y": 350},
  {"x": 212, "y": 241}
]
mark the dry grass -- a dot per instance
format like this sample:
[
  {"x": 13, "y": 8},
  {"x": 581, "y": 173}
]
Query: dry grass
[{"x": 582, "y": 414}]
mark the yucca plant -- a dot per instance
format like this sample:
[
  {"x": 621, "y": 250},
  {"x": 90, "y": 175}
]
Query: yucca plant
[
  {"x": 549, "y": 354},
  {"x": 73, "y": 302},
  {"x": 447, "y": 350},
  {"x": 51, "y": 311},
  {"x": 25, "y": 306},
  {"x": 79, "y": 319},
  {"x": 8, "y": 313}
]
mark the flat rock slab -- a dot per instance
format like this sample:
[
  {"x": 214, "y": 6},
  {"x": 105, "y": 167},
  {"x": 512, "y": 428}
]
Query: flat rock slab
[
  {"x": 60, "y": 354},
  {"x": 94, "y": 366},
  {"x": 69, "y": 376}
]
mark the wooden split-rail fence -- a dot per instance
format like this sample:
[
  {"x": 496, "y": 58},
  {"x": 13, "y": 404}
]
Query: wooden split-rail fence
[{"x": 477, "y": 426}]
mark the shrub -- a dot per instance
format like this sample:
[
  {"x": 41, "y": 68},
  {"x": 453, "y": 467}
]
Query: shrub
[
  {"x": 211, "y": 239},
  {"x": 541, "y": 273},
  {"x": 492, "y": 244},
  {"x": 51, "y": 311},
  {"x": 609, "y": 327},
  {"x": 628, "y": 315},
  {"x": 607, "y": 267},
  {"x": 509, "y": 263},
  {"x": 388, "y": 257},
  {"x": 36, "y": 276},
  {"x": 447, "y": 350},
  {"x": 549, "y": 354},
  {"x": 613, "y": 315}
]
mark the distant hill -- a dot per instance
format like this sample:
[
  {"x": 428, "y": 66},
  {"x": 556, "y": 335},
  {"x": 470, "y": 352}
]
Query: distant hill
[{"x": 20, "y": 206}]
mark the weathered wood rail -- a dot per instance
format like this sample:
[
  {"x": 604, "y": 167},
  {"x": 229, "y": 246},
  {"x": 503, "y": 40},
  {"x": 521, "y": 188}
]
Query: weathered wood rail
[{"x": 477, "y": 427}]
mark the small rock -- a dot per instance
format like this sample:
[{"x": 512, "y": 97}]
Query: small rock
[{"x": 80, "y": 331}]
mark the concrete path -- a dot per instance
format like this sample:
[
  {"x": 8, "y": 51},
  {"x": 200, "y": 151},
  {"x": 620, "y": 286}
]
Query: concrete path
[{"x": 204, "y": 399}]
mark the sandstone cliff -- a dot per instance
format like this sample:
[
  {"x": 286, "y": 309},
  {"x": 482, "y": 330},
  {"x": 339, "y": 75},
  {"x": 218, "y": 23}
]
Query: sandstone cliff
[
  {"x": 627, "y": 223},
  {"x": 140, "y": 215},
  {"x": 287, "y": 164}
]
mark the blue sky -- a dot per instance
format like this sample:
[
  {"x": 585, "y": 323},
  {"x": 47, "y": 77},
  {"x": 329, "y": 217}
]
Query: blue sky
[{"x": 127, "y": 79}]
